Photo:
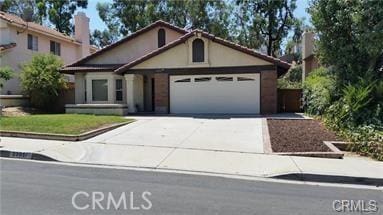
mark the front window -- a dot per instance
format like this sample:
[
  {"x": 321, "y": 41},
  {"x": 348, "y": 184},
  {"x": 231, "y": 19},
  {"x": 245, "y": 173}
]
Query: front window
[
  {"x": 33, "y": 42},
  {"x": 198, "y": 51},
  {"x": 100, "y": 90},
  {"x": 55, "y": 48},
  {"x": 119, "y": 90}
]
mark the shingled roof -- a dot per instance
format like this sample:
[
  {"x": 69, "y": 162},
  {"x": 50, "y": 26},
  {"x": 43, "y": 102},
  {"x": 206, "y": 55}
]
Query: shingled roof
[
  {"x": 4, "y": 47},
  {"x": 159, "y": 23},
  {"x": 19, "y": 22},
  {"x": 281, "y": 64}
]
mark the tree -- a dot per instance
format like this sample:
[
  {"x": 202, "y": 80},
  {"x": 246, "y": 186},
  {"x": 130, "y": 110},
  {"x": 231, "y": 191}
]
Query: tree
[
  {"x": 60, "y": 13},
  {"x": 5, "y": 74},
  {"x": 42, "y": 81},
  {"x": 27, "y": 9},
  {"x": 103, "y": 38},
  {"x": 269, "y": 20},
  {"x": 129, "y": 16},
  {"x": 350, "y": 37}
]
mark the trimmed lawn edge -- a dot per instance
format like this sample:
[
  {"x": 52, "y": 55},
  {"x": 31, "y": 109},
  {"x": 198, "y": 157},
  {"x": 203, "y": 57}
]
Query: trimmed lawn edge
[{"x": 64, "y": 137}]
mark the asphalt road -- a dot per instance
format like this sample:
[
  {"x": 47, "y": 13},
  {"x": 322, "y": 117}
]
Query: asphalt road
[{"x": 44, "y": 188}]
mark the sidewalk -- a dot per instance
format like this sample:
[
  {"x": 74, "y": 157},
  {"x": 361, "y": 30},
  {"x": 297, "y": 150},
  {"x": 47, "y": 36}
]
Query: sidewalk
[{"x": 208, "y": 161}]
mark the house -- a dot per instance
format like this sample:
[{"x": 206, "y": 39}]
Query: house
[
  {"x": 166, "y": 69},
  {"x": 20, "y": 40},
  {"x": 309, "y": 61}
]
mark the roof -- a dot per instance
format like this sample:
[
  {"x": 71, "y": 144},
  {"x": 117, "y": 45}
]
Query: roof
[
  {"x": 281, "y": 64},
  {"x": 19, "y": 22},
  {"x": 131, "y": 36},
  {"x": 90, "y": 68},
  {"x": 4, "y": 47}
]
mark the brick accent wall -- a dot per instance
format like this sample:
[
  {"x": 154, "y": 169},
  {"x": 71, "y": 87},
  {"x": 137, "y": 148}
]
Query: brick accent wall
[
  {"x": 269, "y": 92},
  {"x": 161, "y": 93}
]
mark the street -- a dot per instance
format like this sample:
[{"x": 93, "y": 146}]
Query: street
[{"x": 43, "y": 188}]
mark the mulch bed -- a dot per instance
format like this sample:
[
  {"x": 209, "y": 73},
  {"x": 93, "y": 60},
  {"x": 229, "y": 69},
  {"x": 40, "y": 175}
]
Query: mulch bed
[{"x": 299, "y": 135}]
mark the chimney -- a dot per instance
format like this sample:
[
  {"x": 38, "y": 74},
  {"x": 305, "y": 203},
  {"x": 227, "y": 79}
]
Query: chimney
[
  {"x": 81, "y": 32},
  {"x": 308, "y": 44}
]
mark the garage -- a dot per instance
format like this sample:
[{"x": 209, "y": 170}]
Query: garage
[{"x": 216, "y": 94}]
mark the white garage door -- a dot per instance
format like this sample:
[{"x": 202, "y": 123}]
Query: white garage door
[{"x": 229, "y": 93}]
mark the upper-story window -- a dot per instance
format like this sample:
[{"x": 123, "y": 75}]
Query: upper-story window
[
  {"x": 161, "y": 37},
  {"x": 33, "y": 42},
  {"x": 198, "y": 50},
  {"x": 55, "y": 48}
]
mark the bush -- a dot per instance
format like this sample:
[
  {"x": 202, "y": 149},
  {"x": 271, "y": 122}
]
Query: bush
[
  {"x": 5, "y": 74},
  {"x": 41, "y": 80},
  {"x": 292, "y": 79},
  {"x": 318, "y": 91}
]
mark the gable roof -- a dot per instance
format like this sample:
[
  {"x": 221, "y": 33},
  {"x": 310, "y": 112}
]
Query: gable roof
[
  {"x": 282, "y": 66},
  {"x": 19, "y": 22},
  {"x": 159, "y": 23}
]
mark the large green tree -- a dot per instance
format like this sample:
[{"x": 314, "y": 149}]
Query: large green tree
[
  {"x": 60, "y": 13},
  {"x": 130, "y": 16},
  {"x": 267, "y": 21},
  {"x": 26, "y": 9},
  {"x": 350, "y": 37}
]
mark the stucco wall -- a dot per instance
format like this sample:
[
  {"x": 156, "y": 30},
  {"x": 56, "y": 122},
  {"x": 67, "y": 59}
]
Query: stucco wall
[
  {"x": 134, "y": 48},
  {"x": 20, "y": 54},
  {"x": 217, "y": 56}
]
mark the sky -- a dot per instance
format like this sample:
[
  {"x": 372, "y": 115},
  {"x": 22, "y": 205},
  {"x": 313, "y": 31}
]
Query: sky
[{"x": 96, "y": 22}]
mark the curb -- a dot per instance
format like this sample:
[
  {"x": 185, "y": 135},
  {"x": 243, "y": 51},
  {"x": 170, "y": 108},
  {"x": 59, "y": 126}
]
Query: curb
[
  {"x": 25, "y": 155},
  {"x": 303, "y": 177},
  {"x": 63, "y": 137},
  {"x": 378, "y": 182}
]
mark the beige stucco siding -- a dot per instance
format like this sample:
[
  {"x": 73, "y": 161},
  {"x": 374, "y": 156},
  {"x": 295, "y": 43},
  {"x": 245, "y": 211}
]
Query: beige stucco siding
[
  {"x": 134, "y": 48},
  {"x": 20, "y": 54},
  {"x": 217, "y": 56}
]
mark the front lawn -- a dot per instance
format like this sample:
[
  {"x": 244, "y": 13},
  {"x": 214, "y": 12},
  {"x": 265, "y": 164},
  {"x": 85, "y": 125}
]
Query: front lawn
[{"x": 58, "y": 123}]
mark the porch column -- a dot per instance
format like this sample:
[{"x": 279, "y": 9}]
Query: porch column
[
  {"x": 79, "y": 88},
  {"x": 134, "y": 92}
]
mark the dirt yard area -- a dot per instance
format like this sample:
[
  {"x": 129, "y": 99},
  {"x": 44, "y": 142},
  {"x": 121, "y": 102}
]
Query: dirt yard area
[{"x": 299, "y": 135}]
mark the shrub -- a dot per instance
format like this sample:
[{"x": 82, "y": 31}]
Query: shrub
[
  {"x": 318, "y": 91},
  {"x": 5, "y": 74},
  {"x": 292, "y": 79},
  {"x": 41, "y": 80}
]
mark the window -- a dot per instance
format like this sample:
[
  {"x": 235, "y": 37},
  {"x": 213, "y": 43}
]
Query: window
[
  {"x": 85, "y": 97},
  {"x": 161, "y": 37},
  {"x": 183, "y": 80},
  {"x": 224, "y": 78},
  {"x": 198, "y": 51},
  {"x": 245, "y": 79},
  {"x": 33, "y": 42},
  {"x": 55, "y": 48},
  {"x": 100, "y": 90},
  {"x": 202, "y": 79},
  {"x": 119, "y": 90}
]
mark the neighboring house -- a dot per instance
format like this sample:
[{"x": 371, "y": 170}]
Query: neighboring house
[
  {"x": 309, "y": 61},
  {"x": 19, "y": 40},
  {"x": 165, "y": 69}
]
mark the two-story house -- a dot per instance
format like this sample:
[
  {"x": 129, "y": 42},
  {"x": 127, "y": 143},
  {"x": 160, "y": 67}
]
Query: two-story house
[{"x": 20, "y": 40}]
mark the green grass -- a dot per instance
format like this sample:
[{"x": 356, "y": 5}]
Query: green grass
[{"x": 58, "y": 123}]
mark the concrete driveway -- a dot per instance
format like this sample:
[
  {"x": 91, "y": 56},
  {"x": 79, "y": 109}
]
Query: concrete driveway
[{"x": 242, "y": 134}]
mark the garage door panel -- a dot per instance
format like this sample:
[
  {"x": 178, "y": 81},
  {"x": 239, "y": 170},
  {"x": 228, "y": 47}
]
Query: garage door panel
[{"x": 214, "y": 96}]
